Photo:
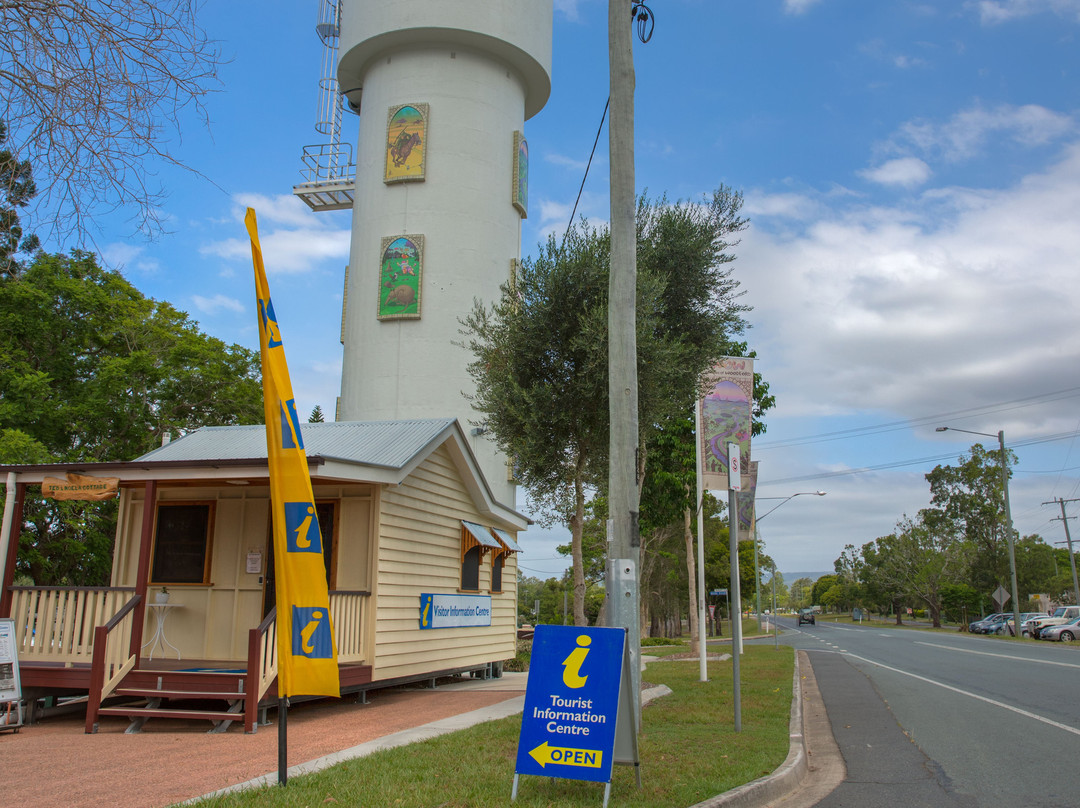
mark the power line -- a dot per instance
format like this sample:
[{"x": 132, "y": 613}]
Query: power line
[
  {"x": 913, "y": 462},
  {"x": 894, "y": 426}
]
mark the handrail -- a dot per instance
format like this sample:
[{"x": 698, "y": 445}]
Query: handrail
[
  {"x": 125, "y": 610},
  {"x": 261, "y": 667},
  {"x": 109, "y": 660},
  {"x": 361, "y": 592}
]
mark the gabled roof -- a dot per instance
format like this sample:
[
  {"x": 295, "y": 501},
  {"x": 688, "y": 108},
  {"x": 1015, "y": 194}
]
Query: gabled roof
[
  {"x": 383, "y": 444},
  {"x": 380, "y": 452}
]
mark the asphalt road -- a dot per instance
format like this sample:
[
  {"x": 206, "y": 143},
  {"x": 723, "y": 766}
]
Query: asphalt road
[{"x": 996, "y": 723}]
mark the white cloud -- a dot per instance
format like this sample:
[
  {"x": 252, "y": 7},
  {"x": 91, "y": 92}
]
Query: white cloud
[
  {"x": 906, "y": 172},
  {"x": 219, "y": 302},
  {"x": 569, "y": 8},
  {"x": 281, "y": 209},
  {"x": 960, "y": 297},
  {"x": 286, "y": 251},
  {"x": 567, "y": 162},
  {"x": 128, "y": 256},
  {"x": 992, "y": 12},
  {"x": 798, "y": 6},
  {"x": 800, "y": 207},
  {"x": 293, "y": 238},
  {"x": 965, "y": 134}
]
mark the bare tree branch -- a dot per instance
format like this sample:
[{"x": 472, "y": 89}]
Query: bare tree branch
[{"x": 93, "y": 92}]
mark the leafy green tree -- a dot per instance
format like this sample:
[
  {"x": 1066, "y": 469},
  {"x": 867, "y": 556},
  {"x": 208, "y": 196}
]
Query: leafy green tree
[
  {"x": 923, "y": 555},
  {"x": 820, "y": 587},
  {"x": 17, "y": 188},
  {"x": 316, "y": 416},
  {"x": 1035, "y": 565},
  {"x": 970, "y": 495},
  {"x": 541, "y": 351},
  {"x": 91, "y": 370},
  {"x": 799, "y": 596}
]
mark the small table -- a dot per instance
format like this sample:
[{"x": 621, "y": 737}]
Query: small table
[{"x": 161, "y": 611}]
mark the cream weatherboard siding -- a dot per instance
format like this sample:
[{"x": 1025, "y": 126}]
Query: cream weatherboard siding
[{"x": 420, "y": 551}]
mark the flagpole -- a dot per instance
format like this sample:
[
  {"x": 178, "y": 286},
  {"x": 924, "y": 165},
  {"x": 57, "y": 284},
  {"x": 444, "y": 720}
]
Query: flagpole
[
  {"x": 703, "y": 667},
  {"x": 282, "y": 741}
]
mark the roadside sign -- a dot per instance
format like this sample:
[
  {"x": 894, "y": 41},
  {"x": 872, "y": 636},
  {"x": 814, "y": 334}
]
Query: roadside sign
[
  {"x": 578, "y": 717},
  {"x": 1001, "y": 597},
  {"x": 722, "y": 593}
]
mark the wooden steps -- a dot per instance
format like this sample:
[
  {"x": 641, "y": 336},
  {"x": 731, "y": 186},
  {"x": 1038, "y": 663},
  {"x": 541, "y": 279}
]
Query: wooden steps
[{"x": 159, "y": 691}]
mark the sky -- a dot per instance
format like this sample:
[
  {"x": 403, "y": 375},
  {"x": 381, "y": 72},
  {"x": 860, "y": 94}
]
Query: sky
[{"x": 911, "y": 172}]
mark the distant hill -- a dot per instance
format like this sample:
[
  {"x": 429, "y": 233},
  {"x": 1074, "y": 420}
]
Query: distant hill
[{"x": 790, "y": 577}]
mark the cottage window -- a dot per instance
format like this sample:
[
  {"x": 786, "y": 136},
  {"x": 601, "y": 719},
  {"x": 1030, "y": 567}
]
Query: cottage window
[
  {"x": 475, "y": 541},
  {"x": 182, "y": 543},
  {"x": 507, "y": 545}
]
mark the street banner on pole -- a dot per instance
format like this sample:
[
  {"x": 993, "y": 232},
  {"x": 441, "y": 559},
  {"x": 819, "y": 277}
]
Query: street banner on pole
[
  {"x": 307, "y": 653},
  {"x": 746, "y": 501},
  {"x": 725, "y": 418}
]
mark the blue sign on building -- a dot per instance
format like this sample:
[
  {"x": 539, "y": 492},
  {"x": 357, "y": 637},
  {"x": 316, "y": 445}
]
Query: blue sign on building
[{"x": 572, "y": 704}]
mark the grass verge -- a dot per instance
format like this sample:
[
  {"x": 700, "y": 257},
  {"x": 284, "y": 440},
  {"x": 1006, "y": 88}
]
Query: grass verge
[{"x": 688, "y": 747}]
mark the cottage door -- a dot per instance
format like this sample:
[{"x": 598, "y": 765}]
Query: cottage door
[{"x": 326, "y": 513}]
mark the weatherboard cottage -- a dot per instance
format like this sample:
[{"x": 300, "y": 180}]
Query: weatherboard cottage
[{"x": 420, "y": 563}]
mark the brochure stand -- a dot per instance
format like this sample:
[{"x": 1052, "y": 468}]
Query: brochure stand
[{"x": 11, "y": 709}]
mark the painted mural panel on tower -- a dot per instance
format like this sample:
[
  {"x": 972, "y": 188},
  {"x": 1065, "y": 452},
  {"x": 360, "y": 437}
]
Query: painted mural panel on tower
[
  {"x": 406, "y": 143},
  {"x": 401, "y": 271}
]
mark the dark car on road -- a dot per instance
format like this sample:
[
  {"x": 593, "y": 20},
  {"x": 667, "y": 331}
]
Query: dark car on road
[{"x": 806, "y": 616}]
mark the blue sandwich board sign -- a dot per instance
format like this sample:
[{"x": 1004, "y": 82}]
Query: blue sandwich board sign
[{"x": 578, "y": 718}]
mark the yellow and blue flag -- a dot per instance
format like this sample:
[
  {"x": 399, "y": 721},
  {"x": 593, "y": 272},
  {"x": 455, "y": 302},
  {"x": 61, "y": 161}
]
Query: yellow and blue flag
[{"x": 307, "y": 651}]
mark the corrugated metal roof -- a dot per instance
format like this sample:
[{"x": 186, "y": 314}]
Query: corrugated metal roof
[
  {"x": 388, "y": 444},
  {"x": 480, "y": 533},
  {"x": 508, "y": 540}
]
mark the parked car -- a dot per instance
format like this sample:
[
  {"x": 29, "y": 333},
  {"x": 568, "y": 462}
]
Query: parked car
[
  {"x": 1067, "y": 632},
  {"x": 1025, "y": 617},
  {"x": 806, "y": 616},
  {"x": 1061, "y": 615},
  {"x": 989, "y": 624}
]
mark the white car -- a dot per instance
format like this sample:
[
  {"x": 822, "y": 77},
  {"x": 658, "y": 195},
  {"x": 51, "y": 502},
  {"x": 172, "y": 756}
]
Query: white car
[{"x": 1067, "y": 632}]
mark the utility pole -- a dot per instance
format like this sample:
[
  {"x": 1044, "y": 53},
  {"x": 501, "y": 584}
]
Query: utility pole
[
  {"x": 1068, "y": 540},
  {"x": 624, "y": 549}
]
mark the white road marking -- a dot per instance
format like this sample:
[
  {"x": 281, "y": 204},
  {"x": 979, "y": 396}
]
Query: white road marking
[
  {"x": 1001, "y": 656},
  {"x": 994, "y": 702}
]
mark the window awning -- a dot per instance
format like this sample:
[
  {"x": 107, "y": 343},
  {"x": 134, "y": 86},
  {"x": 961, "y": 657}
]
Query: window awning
[
  {"x": 507, "y": 540},
  {"x": 480, "y": 535}
]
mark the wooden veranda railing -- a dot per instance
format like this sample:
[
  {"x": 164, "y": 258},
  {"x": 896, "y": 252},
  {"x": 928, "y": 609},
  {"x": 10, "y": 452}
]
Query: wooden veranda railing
[
  {"x": 261, "y": 667},
  {"x": 57, "y": 623},
  {"x": 112, "y": 658},
  {"x": 348, "y": 611}
]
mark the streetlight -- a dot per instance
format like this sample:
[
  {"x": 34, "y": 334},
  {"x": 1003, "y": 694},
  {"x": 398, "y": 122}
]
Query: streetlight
[
  {"x": 1008, "y": 514},
  {"x": 757, "y": 588}
]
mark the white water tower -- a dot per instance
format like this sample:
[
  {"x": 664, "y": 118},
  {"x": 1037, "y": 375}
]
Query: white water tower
[{"x": 442, "y": 90}]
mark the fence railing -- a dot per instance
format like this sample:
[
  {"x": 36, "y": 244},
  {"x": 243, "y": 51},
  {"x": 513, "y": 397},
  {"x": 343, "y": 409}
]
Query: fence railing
[
  {"x": 348, "y": 610},
  {"x": 57, "y": 623}
]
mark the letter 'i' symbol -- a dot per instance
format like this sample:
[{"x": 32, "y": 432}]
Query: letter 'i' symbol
[
  {"x": 308, "y": 631},
  {"x": 302, "y": 540},
  {"x": 572, "y": 664}
]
